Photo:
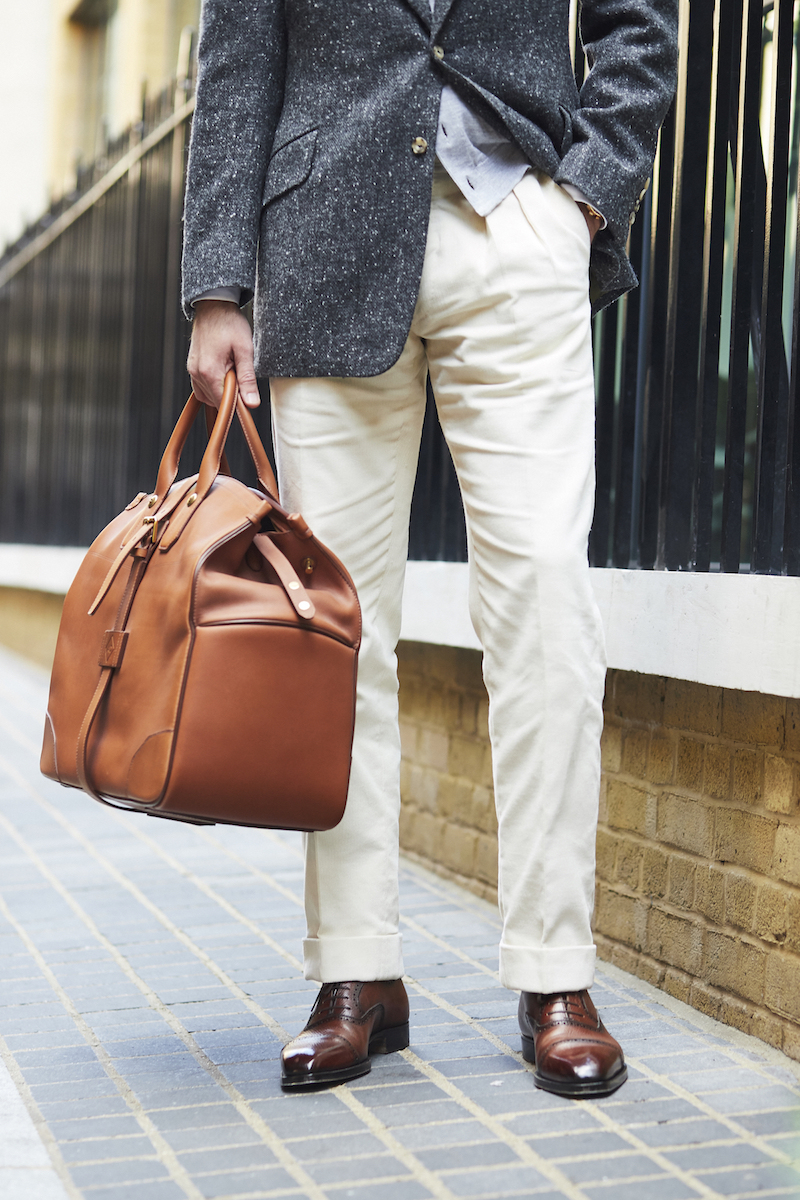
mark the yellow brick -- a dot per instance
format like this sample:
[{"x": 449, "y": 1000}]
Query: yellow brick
[
  {"x": 466, "y": 757},
  {"x": 423, "y": 787},
  {"x": 611, "y": 747},
  {"x": 782, "y": 987},
  {"x": 717, "y": 773},
  {"x": 736, "y": 966},
  {"x": 709, "y": 893},
  {"x": 747, "y": 776},
  {"x": 753, "y": 717},
  {"x": 616, "y": 915},
  {"x": 482, "y": 717},
  {"x": 454, "y": 798},
  {"x": 677, "y": 941},
  {"x": 793, "y": 921},
  {"x": 737, "y": 1013},
  {"x": 628, "y": 807},
  {"x": 602, "y": 803},
  {"x": 652, "y": 972},
  {"x": 707, "y": 1000},
  {"x": 787, "y": 853},
  {"x": 468, "y": 714},
  {"x": 487, "y": 775},
  {"x": 606, "y": 853},
  {"x": 425, "y": 835},
  {"x": 740, "y": 899},
  {"x": 432, "y": 746},
  {"x": 744, "y": 838},
  {"x": 408, "y": 740},
  {"x": 655, "y": 870},
  {"x": 634, "y": 752},
  {"x": 483, "y": 815},
  {"x": 459, "y": 846},
  {"x": 661, "y": 760},
  {"x": 792, "y": 727},
  {"x": 468, "y": 671},
  {"x": 486, "y": 859},
  {"x": 780, "y": 784},
  {"x": 636, "y": 697},
  {"x": 629, "y": 864},
  {"x": 692, "y": 706},
  {"x": 677, "y": 984},
  {"x": 685, "y": 823},
  {"x": 689, "y": 769},
  {"x": 626, "y": 959},
  {"x": 790, "y": 1043},
  {"x": 681, "y": 881},
  {"x": 769, "y": 919}
]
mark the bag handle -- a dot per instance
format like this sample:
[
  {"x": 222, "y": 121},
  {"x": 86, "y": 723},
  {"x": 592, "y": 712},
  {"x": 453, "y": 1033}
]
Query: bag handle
[{"x": 213, "y": 459}]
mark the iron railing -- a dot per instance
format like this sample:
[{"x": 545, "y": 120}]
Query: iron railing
[{"x": 698, "y": 451}]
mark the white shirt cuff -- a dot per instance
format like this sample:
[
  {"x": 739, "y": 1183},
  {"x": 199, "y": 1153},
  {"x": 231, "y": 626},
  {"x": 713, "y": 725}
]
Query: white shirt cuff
[{"x": 233, "y": 294}]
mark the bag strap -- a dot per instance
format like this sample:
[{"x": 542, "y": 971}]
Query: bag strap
[{"x": 113, "y": 648}]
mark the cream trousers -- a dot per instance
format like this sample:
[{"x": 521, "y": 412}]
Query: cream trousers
[{"x": 502, "y": 324}]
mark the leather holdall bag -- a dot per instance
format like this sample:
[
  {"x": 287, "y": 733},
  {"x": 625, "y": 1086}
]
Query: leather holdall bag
[{"x": 205, "y": 668}]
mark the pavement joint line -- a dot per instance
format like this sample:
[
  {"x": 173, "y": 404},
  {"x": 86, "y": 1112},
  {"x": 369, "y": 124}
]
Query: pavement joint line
[
  {"x": 257, "y": 1123},
  {"x": 290, "y": 895},
  {"x": 42, "y": 1128},
  {"x": 166, "y": 1155},
  {"x": 419, "y": 1171},
  {"x": 730, "y": 1050},
  {"x": 600, "y": 1115},
  {"x": 528, "y": 1155},
  {"x": 207, "y": 890},
  {"x": 521, "y": 1148},
  {"x": 625, "y": 999}
]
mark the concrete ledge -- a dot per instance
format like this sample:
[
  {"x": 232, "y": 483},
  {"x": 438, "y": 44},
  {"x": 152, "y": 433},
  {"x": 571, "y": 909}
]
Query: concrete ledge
[{"x": 733, "y": 631}]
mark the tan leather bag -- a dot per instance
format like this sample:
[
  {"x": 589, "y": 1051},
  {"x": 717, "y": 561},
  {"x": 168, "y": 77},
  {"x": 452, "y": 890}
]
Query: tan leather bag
[{"x": 205, "y": 671}]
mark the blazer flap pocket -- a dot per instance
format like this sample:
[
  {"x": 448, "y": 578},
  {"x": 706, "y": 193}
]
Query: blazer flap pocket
[{"x": 289, "y": 166}]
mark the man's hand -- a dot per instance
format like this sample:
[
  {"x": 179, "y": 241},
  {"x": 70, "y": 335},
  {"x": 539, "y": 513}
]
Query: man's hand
[
  {"x": 592, "y": 219},
  {"x": 221, "y": 339}
]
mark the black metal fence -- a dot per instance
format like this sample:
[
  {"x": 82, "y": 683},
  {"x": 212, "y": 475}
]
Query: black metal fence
[{"x": 698, "y": 450}]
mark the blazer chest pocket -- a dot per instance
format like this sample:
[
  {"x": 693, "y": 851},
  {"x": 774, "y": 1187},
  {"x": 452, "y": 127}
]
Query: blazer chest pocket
[{"x": 289, "y": 166}]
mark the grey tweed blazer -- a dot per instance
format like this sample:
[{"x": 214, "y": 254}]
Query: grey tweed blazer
[{"x": 304, "y": 186}]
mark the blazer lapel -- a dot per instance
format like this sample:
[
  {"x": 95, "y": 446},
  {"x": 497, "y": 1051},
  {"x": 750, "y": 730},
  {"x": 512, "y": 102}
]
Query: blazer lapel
[
  {"x": 423, "y": 10},
  {"x": 440, "y": 11}
]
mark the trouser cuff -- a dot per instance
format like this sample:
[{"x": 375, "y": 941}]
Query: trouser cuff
[
  {"x": 334, "y": 960},
  {"x": 537, "y": 969}
]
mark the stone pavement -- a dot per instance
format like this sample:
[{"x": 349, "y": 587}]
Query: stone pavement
[{"x": 150, "y": 975}]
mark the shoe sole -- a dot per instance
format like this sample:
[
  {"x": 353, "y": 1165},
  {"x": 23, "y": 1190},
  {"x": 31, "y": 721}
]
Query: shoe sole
[
  {"x": 387, "y": 1041},
  {"x": 578, "y": 1089}
]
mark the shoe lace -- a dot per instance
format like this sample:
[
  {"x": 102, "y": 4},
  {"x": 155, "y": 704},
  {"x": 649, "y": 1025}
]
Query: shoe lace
[
  {"x": 565, "y": 1008},
  {"x": 336, "y": 1001}
]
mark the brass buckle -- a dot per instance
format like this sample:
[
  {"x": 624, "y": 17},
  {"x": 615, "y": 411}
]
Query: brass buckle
[{"x": 153, "y": 523}]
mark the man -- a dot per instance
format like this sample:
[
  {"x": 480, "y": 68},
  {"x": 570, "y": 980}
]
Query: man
[{"x": 413, "y": 187}]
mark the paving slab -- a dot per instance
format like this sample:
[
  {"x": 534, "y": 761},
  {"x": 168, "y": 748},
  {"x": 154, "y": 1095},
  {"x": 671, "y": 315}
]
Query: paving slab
[{"x": 151, "y": 974}]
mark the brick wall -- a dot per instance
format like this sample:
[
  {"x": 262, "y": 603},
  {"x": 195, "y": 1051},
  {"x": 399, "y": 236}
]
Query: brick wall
[{"x": 698, "y": 852}]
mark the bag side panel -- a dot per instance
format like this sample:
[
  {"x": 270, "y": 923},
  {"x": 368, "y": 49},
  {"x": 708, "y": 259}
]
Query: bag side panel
[{"x": 266, "y": 728}]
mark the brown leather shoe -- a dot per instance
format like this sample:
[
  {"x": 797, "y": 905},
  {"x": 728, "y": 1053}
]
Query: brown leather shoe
[
  {"x": 572, "y": 1051},
  {"x": 349, "y": 1021}
]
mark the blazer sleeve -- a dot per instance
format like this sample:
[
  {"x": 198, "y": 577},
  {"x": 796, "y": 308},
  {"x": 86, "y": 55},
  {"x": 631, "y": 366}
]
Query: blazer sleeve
[
  {"x": 632, "y": 52},
  {"x": 241, "y": 69}
]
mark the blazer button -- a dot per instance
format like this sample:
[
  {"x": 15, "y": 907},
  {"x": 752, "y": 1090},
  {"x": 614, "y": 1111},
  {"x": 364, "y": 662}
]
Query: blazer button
[
  {"x": 419, "y": 145},
  {"x": 438, "y": 52}
]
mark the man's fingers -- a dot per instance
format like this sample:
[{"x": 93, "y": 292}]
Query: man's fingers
[{"x": 246, "y": 376}]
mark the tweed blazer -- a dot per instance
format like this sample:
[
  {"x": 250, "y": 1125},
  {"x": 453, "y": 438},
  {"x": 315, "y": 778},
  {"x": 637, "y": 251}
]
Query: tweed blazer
[{"x": 312, "y": 150}]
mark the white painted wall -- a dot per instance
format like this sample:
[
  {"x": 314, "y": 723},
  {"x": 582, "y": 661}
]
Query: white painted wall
[
  {"x": 734, "y": 631},
  {"x": 25, "y": 30}
]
